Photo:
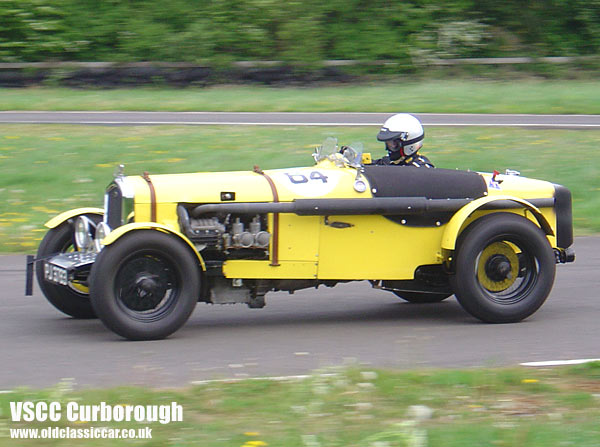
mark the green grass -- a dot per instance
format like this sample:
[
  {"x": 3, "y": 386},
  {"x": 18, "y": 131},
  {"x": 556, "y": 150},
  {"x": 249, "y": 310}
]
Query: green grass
[
  {"x": 47, "y": 169},
  {"x": 450, "y": 96},
  {"x": 363, "y": 408}
]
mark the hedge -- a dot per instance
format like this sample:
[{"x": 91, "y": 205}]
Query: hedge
[{"x": 221, "y": 31}]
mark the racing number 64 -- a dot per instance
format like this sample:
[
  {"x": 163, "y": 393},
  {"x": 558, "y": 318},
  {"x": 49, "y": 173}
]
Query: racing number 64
[{"x": 301, "y": 178}]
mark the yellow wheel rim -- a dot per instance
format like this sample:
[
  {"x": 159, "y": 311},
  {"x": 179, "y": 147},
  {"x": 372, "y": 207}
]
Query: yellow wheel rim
[
  {"x": 498, "y": 249},
  {"x": 76, "y": 285},
  {"x": 79, "y": 287}
]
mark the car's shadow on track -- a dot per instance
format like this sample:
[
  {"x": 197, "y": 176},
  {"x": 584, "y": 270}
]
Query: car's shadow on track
[
  {"x": 350, "y": 313},
  {"x": 303, "y": 310}
]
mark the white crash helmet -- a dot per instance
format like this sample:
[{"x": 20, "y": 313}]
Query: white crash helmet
[{"x": 402, "y": 132}]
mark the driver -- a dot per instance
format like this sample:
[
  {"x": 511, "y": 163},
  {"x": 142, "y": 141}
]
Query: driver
[{"x": 403, "y": 135}]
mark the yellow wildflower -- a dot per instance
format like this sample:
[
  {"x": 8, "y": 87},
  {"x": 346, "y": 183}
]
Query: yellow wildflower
[{"x": 130, "y": 139}]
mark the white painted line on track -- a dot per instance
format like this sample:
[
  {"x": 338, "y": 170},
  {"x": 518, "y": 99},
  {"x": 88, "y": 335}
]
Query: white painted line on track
[
  {"x": 559, "y": 362},
  {"x": 271, "y": 378},
  {"x": 190, "y": 123}
]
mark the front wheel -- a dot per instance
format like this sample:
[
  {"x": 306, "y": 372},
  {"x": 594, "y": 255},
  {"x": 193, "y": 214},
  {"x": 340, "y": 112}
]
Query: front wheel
[
  {"x": 504, "y": 268},
  {"x": 145, "y": 285},
  {"x": 72, "y": 299}
]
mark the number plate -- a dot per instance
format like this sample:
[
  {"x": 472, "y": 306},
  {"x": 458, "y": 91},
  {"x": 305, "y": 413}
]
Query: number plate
[{"x": 55, "y": 274}]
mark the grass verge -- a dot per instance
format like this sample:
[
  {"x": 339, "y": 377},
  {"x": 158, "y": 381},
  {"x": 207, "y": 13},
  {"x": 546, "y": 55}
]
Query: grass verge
[
  {"x": 437, "y": 96},
  {"x": 352, "y": 407},
  {"x": 45, "y": 170}
]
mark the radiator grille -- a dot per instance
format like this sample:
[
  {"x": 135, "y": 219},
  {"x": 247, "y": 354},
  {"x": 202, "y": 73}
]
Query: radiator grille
[{"x": 114, "y": 206}]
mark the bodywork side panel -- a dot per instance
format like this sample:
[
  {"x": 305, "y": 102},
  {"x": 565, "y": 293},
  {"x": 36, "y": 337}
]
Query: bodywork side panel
[
  {"x": 264, "y": 270},
  {"x": 298, "y": 237},
  {"x": 373, "y": 247},
  {"x": 376, "y": 248}
]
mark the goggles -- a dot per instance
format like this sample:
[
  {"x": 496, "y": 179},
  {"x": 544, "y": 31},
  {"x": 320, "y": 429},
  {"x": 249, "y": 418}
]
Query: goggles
[{"x": 393, "y": 145}]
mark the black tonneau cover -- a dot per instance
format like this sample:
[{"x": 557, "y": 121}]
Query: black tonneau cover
[{"x": 433, "y": 183}]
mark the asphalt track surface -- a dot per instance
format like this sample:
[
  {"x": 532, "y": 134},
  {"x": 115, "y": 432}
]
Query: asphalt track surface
[
  {"x": 295, "y": 334},
  {"x": 296, "y": 119}
]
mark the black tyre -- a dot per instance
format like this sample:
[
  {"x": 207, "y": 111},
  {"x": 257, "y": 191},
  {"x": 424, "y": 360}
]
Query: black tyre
[
  {"x": 74, "y": 299},
  {"x": 504, "y": 268},
  {"x": 145, "y": 285},
  {"x": 422, "y": 297}
]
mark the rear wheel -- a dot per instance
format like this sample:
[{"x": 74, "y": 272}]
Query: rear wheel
[
  {"x": 504, "y": 268},
  {"x": 73, "y": 299},
  {"x": 421, "y": 297},
  {"x": 145, "y": 285}
]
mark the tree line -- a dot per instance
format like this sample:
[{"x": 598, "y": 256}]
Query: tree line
[{"x": 218, "y": 32}]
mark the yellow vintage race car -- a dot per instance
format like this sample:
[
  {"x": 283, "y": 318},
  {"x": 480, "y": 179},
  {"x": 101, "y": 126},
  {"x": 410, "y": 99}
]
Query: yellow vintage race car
[{"x": 164, "y": 242}]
